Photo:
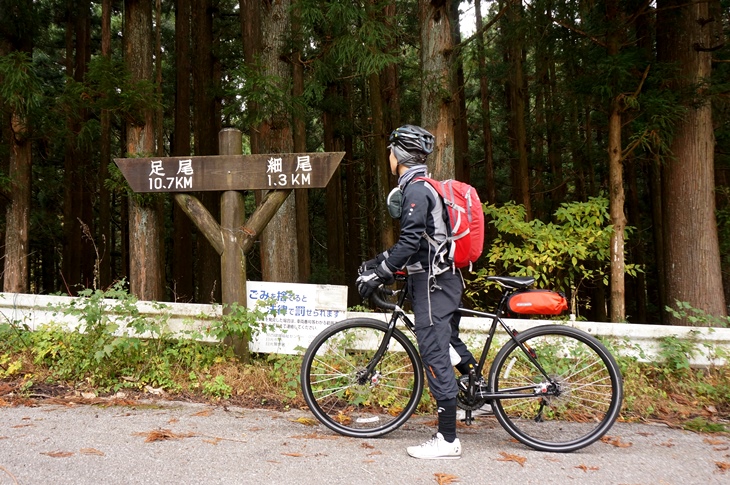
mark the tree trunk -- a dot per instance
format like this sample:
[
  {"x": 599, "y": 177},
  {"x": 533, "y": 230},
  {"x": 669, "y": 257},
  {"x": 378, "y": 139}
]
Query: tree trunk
[
  {"x": 462, "y": 170},
  {"x": 105, "y": 154},
  {"x": 79, "y": 257},
  {"x": 206, "y": 140},
  {"x": 616, "y": 211},
  {"x": 617, "y": 198},
  {"x": 15, "y": 271},
  {"x": 514, "y": 90},
  {"x": 385, "y": 226},
  {"x": 145, "y": 224},
  {"x": 692, "y": 255},
  {"x": 389, "y": 86},
  {"x": 279, "y": 251},
  {"x": 17, "y": 217},
  {"x": 333, "y": 195},
  {"x": 438, "y": 101},
  {"x": 353, "y": 194},
  {"x": 301, "y": 196},
  {"x": 182, "y": 284},
  {"x": 490, "y": 193},
  {"x": 637, "y": 251}
]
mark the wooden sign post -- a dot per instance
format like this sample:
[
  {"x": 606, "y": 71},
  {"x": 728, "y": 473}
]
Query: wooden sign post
[{"x": 230, "y": 173}]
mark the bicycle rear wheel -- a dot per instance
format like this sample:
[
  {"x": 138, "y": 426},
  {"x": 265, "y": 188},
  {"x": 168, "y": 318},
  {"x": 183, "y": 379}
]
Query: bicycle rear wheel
[
  {"x": 574, "y": 407},
  {"x": 347, "y": 398}
]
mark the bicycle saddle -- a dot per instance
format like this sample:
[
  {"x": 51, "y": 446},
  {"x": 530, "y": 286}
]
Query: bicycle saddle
[{"x": 513, "y": 281}]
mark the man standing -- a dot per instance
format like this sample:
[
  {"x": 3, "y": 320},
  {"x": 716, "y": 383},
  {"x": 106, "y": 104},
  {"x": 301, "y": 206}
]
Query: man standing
[{"x": 434, "y": 285}]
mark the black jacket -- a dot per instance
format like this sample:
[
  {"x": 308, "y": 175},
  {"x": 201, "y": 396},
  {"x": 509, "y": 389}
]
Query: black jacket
[{"x": 422, "y": 212}]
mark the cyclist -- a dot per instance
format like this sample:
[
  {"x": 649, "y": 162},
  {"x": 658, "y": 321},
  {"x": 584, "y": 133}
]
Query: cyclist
[{"x": 435, "y": 286}]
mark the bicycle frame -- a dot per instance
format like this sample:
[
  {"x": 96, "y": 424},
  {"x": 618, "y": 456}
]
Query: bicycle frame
[{"x": 399, "y": 315}]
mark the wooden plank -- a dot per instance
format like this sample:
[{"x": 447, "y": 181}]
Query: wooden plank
[{"x": 230, "y": 172}]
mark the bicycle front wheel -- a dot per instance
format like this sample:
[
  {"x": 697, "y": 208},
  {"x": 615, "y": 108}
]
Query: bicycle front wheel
[
  {"x": 574, "y": 405},
  {"x": 348, "y": 398}
]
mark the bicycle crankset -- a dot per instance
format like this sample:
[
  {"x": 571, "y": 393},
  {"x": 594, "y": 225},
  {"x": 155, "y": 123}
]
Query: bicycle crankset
[{"x": 463, "y": 400}]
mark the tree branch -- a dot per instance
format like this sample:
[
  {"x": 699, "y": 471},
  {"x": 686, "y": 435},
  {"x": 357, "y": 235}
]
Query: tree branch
[
  {"x": 578, "y": 31},
  {"x": 479, "y": 32}
]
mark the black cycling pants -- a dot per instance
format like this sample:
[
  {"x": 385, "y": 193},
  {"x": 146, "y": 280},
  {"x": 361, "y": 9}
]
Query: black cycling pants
[{"x": 437, "y": 325}]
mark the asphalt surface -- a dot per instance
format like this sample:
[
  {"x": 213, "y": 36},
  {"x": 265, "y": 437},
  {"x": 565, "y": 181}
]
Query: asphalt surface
[{"x": 175, "y": 442}]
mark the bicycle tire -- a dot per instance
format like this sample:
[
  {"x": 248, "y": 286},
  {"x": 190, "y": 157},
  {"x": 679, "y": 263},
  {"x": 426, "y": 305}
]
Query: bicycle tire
[
  {"x": 576, "y": 412},
  {"x": 348, "y": 403}
]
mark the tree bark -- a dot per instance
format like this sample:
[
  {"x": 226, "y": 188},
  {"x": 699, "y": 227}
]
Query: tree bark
[
  {"x": 462, "y": 169},
  {"x": 145, "y": 224},
  {"x": 490, "y": 194},
  {"x": 105, "y": 154},
  {"x": 692, "y": 255},
  {"x": 515, "y": 97},
  {"x": 79, "y": 256},
  {"x": 15, "y": 252},
  {"x": 17, "y": 217},
  {"x": 279, "y": 251},
  {"x": 182, "y": 283},
  {"x": 438, "y": 101},
  {"x": 617, "y": 197},
  {"x": 333, "y": 197},
  {"x": 205, "y": 130},
  {"x": 300, "y": 146}
]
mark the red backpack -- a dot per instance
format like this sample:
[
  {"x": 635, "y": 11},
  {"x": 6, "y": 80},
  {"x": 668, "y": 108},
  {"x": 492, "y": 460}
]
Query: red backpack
[{"x": 466, "y": 218}]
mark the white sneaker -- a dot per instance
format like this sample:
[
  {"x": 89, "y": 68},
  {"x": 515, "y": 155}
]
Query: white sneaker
[{"x": 437, "y": 448}]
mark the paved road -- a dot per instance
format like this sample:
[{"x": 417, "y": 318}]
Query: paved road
[{"x": 85, "y": 444}]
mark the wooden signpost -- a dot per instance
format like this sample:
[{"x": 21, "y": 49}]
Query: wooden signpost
[{"x": 230, "y": 173}]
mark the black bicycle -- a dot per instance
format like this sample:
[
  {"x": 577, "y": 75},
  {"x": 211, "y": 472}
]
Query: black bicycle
[{"x": 552, "y": 387}]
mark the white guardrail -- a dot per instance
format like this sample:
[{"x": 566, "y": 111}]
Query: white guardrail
[{"x": 711, "y": 345}]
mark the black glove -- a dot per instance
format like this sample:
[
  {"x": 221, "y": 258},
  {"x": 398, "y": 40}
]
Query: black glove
[
  {"x": 372, "y": 263},
  {"x": 370, "y": 279}
]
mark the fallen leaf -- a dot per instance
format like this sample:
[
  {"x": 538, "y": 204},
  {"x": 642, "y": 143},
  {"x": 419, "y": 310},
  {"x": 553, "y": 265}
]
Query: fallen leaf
[
  {"x": 305, "y": 421},
  {"x": 615, "y": 441},
  {"x": 510, "y": 457},
  {"x": 91, "y": 451},
  {"x": 586, "y": 468},
  {"x": 295, "y": 455},
  {"x": 723, "y": 466},
  {"x": 315, "y": 436},
  {"x": 203, "y": 413},
  {"x": 213, "y": 441},
  {"x": 445, "y": 478},
  {"x": 367, "y": 445},
  {"x": 713, "y": 441},
  {"x": 667, "y": 444},
  {"x": 158, "y": 391},
  {"x": 162, "y": 435},
  {"x": 58, "y": 454}
]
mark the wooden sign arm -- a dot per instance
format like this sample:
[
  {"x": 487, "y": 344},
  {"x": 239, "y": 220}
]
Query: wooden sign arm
[
  {"x": 202, "y": 219},
  {"x": 261, "y": 217}
]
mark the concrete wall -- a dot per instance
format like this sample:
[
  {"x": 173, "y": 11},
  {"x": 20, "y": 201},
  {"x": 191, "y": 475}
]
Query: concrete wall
[{"x": 643, "y": 341}]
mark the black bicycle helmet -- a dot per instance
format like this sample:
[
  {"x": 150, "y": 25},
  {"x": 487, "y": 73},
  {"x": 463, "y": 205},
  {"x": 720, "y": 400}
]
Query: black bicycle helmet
[{"x": 411, "y": 144}]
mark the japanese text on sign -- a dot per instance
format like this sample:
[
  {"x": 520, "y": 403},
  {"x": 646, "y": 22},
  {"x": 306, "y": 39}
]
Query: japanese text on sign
[
  {"x": 277, "y": 178},
  {"x": 182, "y": 179},
  {"x": 298, "y": 313}
]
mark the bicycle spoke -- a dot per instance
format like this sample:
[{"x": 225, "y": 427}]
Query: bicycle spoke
[
  {"x": 348, "y": 399},
  {"x": 575, "y": 406}
]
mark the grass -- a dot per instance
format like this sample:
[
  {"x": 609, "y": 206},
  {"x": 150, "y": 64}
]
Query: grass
[{"x": 50, "y": 364}]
